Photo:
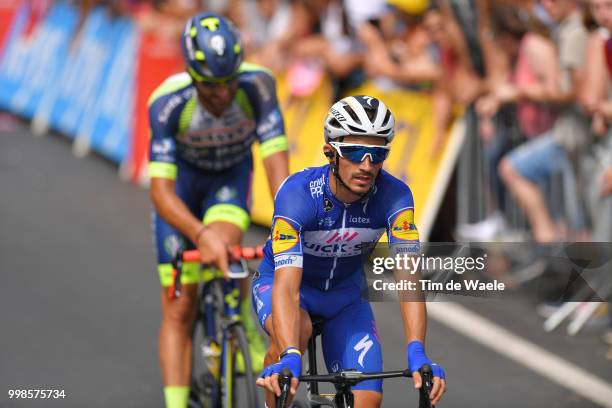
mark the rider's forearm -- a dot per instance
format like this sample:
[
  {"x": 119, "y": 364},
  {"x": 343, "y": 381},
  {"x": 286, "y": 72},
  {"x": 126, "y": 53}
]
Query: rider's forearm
[
  {"x": 412, "y": 306},
  {"x": 277, "y": 170},
  {"x": 172, "y": 209},
  {"x": 285, "y": 307},
  {"x": 414, "y": 315}
]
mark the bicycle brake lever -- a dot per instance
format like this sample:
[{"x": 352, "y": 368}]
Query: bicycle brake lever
[
  {"x": 284, "y": 382},
  {"x": 426, "y": 386}
]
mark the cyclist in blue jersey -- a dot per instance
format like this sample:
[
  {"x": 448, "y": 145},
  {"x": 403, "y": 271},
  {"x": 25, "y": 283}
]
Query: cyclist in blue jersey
[
  {"x": 323, "y": 218},
  {"x": 203, "y": 123}
]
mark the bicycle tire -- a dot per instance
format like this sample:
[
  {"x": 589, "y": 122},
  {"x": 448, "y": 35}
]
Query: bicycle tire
[
  {"x": 248, "y": 394},
  {"x": 206, "y": 390}
]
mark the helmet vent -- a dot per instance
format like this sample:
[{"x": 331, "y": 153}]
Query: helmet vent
[
  {"x": 352, "y": 113},
  {"x": 334, "y": 122},
  {"x": 355, "y": 129},
  {"x": 371, "y": 112},
  {"x": 385, "y": 121}
]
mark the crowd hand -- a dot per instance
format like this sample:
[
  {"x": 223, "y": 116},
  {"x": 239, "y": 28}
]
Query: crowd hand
[
  {"x": 378, "y": 65},
  {"x": 487, "y": 105},
  {"x": 599, "y": 125},
  {"x": 269, "y": 376},
  {"x": 213, "y": 251},
  {"x": 605, "y": 109},
  {"x": 416, "y": 359},
  {"x": 507, "y": 93},
  {"x": 369, "y": 36},
  {"x": 606, "y": 188},
  {"x": 310, "y": 47}
]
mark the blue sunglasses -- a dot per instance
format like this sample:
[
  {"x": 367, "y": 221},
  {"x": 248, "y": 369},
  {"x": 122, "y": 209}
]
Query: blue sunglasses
[{"x": 357, "y": 152}]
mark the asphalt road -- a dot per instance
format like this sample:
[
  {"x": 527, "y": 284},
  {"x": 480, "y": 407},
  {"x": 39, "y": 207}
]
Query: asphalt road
[{"x": 79, "y": 298}]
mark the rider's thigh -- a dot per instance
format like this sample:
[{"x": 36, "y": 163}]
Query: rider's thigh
[
  {"x": 350, "y": 341},
  {"x": 367, "y": 399},
  {"x": 182, "y": 310}
]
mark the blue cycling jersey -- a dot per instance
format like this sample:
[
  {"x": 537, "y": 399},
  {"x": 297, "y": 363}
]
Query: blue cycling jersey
[
  {"x": 182, "y": 129},
  {"x": 313, "y": 230}
]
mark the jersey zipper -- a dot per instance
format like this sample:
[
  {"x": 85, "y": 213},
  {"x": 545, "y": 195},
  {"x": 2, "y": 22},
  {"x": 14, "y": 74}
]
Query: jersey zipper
[{"x": 333, "y": 268}]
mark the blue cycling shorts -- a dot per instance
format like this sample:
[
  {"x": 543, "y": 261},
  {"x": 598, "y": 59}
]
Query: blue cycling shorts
[
  {"x": 224, "y": 196},
  {"x": 348, "y": 335}
]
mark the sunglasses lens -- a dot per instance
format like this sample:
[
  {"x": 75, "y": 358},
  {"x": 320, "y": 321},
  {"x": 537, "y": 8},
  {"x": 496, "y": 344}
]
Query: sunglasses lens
[{"x": 357, "y": 154}]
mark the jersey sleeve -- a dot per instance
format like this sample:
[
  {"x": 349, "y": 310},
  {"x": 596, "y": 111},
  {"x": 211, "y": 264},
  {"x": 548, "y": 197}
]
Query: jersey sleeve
[
  {"x": 260, "y": 86},
  {"x": 402, "y": 232},
  {"x": 165, "y": 106},
  {"x": 292, "y": 211}
]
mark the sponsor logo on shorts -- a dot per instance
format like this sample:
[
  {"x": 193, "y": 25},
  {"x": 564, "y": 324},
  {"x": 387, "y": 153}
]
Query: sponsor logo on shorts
[
  {"x": 403, "y": 226},
  {"x": 364, "y": 345},
  {"x": 284, "y": 236},
  {"x": 226, "y": 193},
  {"x": 262, "y": 289},
  {"x": 171, "y": 244}
]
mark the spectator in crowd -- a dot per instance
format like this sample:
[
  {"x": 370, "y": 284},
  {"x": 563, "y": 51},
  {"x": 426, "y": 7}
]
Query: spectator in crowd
[
  {"x": 265, "y": 28},
  {"x": 331, "y": 42},
  {"x": 410, "y": 59},
  {"x": 461, "y": 80},
  {"x": 541, "y": 158},
  {"x": 596, "y": 98},
  {"x": 528, "y": 58}
]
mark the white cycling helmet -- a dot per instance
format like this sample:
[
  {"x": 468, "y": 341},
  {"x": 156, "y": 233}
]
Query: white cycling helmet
[{"x": 359, "y": 115}]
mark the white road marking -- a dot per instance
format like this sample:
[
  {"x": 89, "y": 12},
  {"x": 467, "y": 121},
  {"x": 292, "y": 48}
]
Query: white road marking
[{"x": 522, "y": 351}]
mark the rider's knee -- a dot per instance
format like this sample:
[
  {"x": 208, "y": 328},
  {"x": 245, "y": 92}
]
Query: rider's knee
[
  {"x": 181, "y": 311},
  {"x": 367, "y": 399}
]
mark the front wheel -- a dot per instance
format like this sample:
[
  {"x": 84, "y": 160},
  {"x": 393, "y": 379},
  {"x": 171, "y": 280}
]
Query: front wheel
[{"x": 239, "y": 387}]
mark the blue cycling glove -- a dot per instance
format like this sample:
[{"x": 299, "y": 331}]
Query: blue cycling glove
[
  {"x": 415, "y": 352},
  {"x": 290, "y": 360}
]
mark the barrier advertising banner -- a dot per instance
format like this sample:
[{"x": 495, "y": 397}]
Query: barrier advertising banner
[{"x": 33, "y": 61}]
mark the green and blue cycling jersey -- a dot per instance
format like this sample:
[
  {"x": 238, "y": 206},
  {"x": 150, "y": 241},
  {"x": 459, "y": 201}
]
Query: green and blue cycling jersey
[
  {"x": 209, "y": 157},
  {"x": 182, "y": 129}
]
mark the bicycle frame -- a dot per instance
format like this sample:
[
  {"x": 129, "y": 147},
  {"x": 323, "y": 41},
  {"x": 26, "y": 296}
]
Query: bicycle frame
[
  {"x": 231, "y": 316},
  {"x": 221, "y": 327}
]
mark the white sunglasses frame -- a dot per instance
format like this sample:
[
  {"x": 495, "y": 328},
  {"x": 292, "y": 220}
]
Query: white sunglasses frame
[{"x": 337, "y": 145}]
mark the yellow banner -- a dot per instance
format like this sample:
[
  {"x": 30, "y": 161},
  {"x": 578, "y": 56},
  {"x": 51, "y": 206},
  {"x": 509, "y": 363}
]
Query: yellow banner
[{"x": 411, "y": 157}]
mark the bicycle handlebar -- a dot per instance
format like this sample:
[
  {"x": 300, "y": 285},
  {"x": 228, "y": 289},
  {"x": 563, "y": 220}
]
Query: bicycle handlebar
[
  {"x": 193, "y": 255},
  {"x": 352, "y": 378},
  {"x": 237, "y": 252}
]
